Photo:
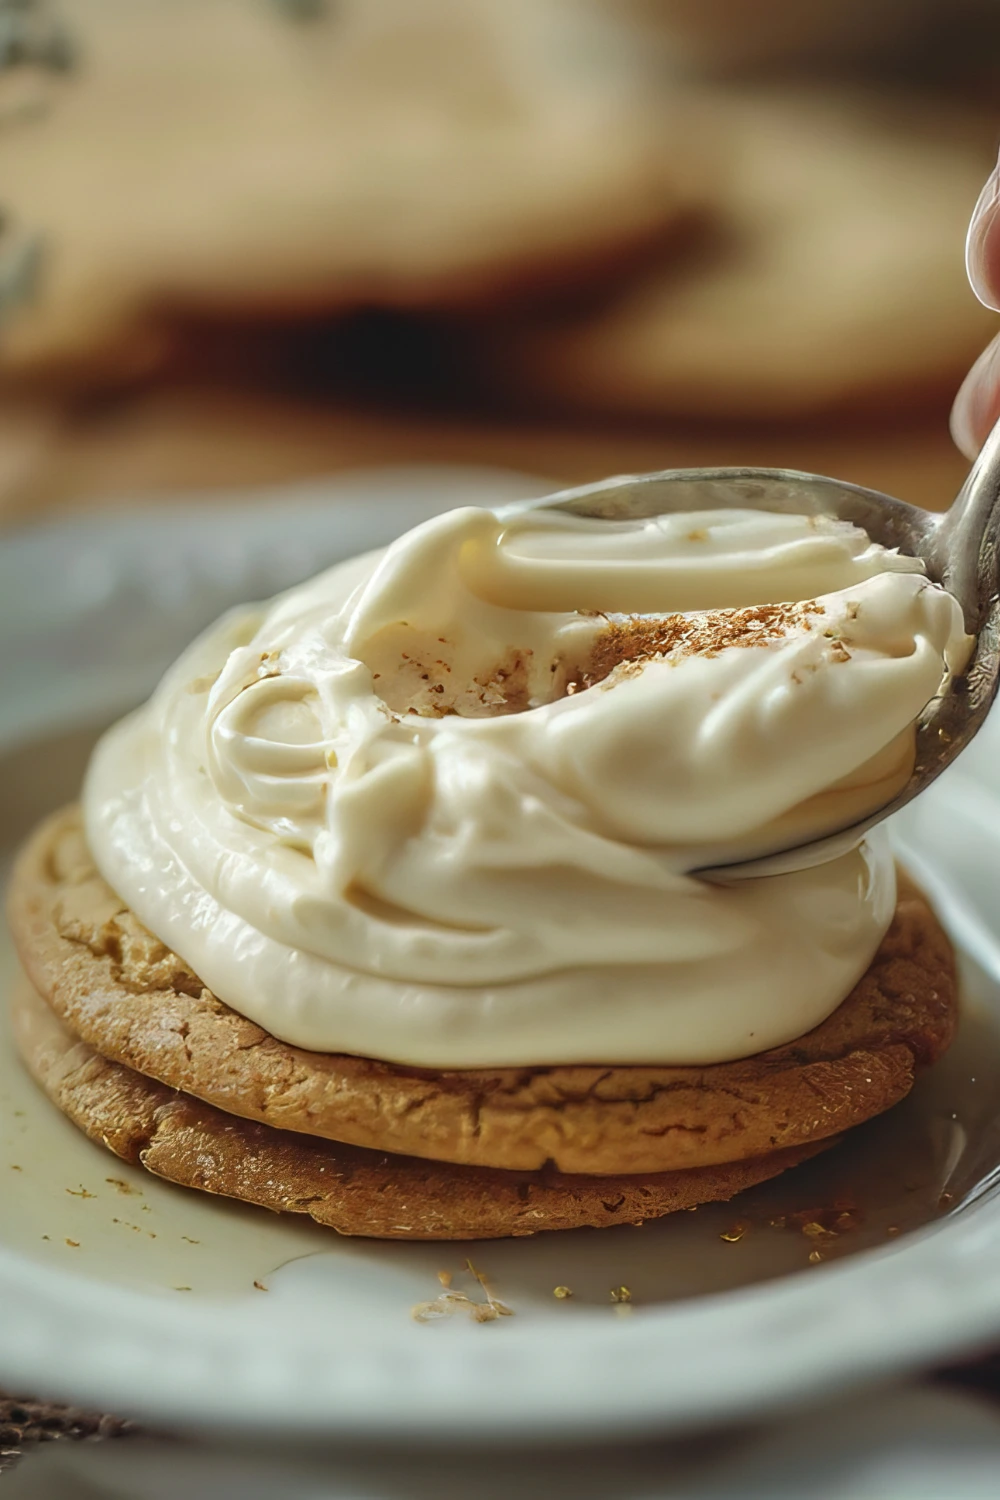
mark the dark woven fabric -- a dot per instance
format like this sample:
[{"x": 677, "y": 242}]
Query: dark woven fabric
[{"x": 24, "y": 1422}]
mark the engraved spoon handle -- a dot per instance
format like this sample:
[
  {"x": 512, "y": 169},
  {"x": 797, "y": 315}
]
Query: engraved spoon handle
[{"x": 964, "y": 553}]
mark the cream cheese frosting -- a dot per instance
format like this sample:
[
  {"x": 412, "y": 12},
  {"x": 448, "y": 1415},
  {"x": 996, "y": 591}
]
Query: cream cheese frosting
[{"x": 442, "y": 804}]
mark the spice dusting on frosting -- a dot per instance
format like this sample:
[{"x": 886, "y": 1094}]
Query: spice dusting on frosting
[{"x": 639, "y": 639}]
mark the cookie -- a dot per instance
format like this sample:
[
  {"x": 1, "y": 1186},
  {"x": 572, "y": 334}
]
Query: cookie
[
  {"x": 221, "y": 158},
  {"x": 832, "y": 279},
  {"x": 136, "y": 1003},
  {"x": 729, "y": 35},
  {"x": 354, "y": 1191}
]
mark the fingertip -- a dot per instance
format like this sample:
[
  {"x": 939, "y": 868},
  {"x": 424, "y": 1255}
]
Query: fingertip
[
  {"x": 977, "y": 406},
  {"x": 982, "y": 244},
  {"x": 962, "y": 434}
]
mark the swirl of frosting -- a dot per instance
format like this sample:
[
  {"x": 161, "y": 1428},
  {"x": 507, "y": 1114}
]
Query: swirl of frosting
[{"x": 442, "y": 804}]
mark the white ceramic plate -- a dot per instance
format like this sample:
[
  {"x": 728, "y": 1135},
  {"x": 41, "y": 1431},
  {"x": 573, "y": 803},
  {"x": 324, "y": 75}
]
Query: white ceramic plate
[{"x": 119, "y": 1291}]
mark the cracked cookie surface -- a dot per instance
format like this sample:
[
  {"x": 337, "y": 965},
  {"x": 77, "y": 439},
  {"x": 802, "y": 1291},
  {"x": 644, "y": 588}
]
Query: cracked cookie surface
[
  {"x": 119, "y": 990},
  {"x": 346, "y": 1188}
]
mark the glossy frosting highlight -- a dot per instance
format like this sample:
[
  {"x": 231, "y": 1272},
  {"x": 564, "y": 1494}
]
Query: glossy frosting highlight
[{"x": 441, "y": 805}]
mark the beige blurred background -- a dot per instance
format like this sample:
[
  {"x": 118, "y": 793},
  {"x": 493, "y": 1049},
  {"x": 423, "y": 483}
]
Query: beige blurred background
[{"x": 250, "y": 240}]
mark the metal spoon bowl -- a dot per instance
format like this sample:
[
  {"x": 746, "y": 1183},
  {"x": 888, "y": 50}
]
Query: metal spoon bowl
[{"x": 960, "y": 551}]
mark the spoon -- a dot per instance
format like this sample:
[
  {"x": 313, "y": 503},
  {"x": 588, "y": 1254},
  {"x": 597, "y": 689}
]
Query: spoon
[{"x": 960, "y": 549}]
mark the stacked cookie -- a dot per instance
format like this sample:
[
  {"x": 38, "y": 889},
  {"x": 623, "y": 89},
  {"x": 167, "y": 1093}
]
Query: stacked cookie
[{"x": 127, "y": 1041}]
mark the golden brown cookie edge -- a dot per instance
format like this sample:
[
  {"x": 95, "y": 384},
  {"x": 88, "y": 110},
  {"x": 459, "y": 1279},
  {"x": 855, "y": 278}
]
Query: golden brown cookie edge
[
  {"x": 346, "y": 1188},
  {"x": 594, "y": 1120}
]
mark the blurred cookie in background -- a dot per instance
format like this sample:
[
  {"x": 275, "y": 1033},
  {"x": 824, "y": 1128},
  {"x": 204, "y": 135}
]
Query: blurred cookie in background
[
  {"x": 832, "y": 279},
  {"x": 280, "y": 158},
  {"x": 722, "y": 36}
]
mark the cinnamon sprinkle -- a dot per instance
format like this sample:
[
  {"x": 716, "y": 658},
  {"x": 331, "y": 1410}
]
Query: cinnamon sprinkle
[{"x": 706, "y": 634}]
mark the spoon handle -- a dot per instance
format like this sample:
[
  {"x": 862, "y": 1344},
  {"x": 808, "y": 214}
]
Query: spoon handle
[{"x": 966, "y": 548}]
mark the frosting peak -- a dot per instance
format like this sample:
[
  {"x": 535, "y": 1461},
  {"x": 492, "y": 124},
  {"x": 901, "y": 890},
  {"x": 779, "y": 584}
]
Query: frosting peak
[{"x": 441, "y": 804}]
